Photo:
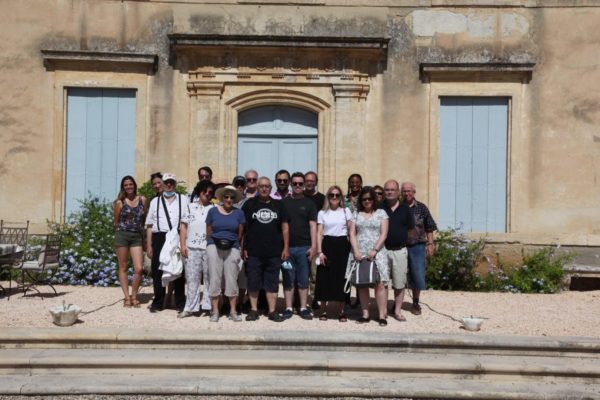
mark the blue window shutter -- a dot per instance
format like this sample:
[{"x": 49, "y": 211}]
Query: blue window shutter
[
  {"x": 473, "y": 153},
  {"x": 100, "y": 142}
]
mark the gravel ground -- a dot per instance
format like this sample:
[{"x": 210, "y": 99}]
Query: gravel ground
[{"x": 563, "y": 314}]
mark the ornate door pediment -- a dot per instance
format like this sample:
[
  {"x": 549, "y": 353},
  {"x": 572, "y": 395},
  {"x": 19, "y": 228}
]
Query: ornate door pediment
[{"x": 345, "y": 64}]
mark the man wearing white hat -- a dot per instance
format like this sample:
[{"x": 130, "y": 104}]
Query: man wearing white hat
[{"x": 164, "y": 213}]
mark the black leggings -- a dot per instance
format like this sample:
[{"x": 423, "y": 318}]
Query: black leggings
[{"x": 158, "y": 240}]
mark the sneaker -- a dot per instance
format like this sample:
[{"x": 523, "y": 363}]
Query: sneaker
[
  {"x": 416, "y": 309},
  {"x": 214, "y": 317},
  {"x": 252, "y": 315},
  {"x": 305, "y": 314},
  {"x": 276, "y": 317},
  {"x": 184, "y": 314},
  {"x": 287, "y": 314},
  {"x": 235, "y": 317}
]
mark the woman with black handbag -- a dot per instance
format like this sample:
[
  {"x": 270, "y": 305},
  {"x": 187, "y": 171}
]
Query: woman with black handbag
[
  {"x": 224, "y": 232},
  {"x": 368, "y": 231}
]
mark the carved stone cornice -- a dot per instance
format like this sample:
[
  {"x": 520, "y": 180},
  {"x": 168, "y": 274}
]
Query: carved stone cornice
[
  {"x": 353, "y": 91},
  {"x": 55, "y": 59},
  {"x": 205, "y": 88},
  {"x": 344, "y": 63},
  {"x": 493, "y": 71}
]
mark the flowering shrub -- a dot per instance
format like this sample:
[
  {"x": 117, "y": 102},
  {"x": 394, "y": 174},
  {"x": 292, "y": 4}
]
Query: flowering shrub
[
  {"x": 452, "y": 266},
  {"x": 542, "y": 272},
  {"x": 87, "y": 256}
]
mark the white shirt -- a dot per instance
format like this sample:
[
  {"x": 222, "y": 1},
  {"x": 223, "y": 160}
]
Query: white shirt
[
  {"x": 194, "y": 216},
  {"x": 334, "y": 222},
  {"x": 156, "y": 213}
]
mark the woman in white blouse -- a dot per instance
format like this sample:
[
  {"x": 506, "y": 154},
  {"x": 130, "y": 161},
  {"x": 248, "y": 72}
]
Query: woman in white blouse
[
  {"x": 333, "y": 248},
  {"x": 193, "y": 247}
]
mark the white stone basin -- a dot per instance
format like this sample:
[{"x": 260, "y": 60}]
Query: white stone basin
[
  {"x": 65, "y": 315},
  {"x": 472, "y": 323}
]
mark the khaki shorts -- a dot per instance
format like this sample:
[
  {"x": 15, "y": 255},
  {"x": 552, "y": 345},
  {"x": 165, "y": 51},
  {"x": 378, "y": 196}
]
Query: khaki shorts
[
  {"x": 128, "y": 239},
  {"x": 398, "y": 262}
]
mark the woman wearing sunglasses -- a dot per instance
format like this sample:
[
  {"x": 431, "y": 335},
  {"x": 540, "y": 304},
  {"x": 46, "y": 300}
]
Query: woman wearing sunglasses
[
  {"x": 224, "y": 232},
  {"x": 333, "y": 249},
  {"x": 193, "y": 247},
  {"x": 368, "y": 231}
]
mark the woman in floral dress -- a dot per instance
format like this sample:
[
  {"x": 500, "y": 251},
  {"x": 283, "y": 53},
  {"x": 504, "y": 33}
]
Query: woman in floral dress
[{"x": 368, "y": 231}]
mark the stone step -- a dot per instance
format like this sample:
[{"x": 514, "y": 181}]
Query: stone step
[
  {"x": 277, "y": 387},
  {"x": 282, "y": 362},
  {"x": 287, "y": 364},
  {"x": 468, "y": 343}
]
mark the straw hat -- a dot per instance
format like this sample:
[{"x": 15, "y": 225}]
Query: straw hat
[{"x": 228, "y": 190}]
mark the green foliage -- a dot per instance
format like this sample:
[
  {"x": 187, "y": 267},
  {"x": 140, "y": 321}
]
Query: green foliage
[
  {"x": 147, "y": 191},
  {"x": 542, "y": 272},
  {"x": 453, "y": 265},
  {"x": 87, "y": 256}
]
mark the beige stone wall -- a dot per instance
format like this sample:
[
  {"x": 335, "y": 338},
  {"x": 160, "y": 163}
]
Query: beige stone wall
[{"x": 391, "y": 132}]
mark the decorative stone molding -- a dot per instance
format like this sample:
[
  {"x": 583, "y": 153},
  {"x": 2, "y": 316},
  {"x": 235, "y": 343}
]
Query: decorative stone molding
[
  {"x": 205, "y": 88},
  {"x": 344, "y": 64},
  {"x": 456, "y": 72},
  {"x": 54, "y": 59}
]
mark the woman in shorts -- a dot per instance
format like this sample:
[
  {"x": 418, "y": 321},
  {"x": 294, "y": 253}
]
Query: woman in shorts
[{"x": 129, "y": 214}]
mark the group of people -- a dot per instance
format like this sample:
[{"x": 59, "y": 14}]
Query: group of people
[{"x": 241, "y": 237}]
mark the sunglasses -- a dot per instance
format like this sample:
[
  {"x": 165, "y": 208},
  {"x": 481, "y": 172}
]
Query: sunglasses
[
  {"x": 251, "y": 179},
  {"x": 366, "y": 199},
  {"x": 334, "y": 195},
  {"x": 264, "y": 186},
  {"x": 379, "y": 193},
  {"x": 282, "y": 181},
  {"x": 297, "y": 183},
  {"x": 204, "y": 176},
  {"x": 228, "y": 197}
]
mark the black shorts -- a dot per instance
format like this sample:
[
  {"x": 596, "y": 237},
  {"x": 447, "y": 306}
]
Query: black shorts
[{"x": 263, "y": 273}]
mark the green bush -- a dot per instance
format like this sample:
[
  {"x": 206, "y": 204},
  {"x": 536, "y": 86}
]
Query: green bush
[
  {"x": 147, "y": 191},
  {"x": 87, "y": 256},
  {"x": 452, "y": 266},
  {"x": 542, "y": 272}
]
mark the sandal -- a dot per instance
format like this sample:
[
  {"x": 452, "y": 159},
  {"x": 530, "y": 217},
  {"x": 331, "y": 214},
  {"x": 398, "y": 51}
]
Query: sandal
[
  {"x": 135, "y": 303},
  {"x": 323, "y": 317},
  {"x": 126, "y": 303},
  {"x": 400, "y": 317},
  {"x": 363, "y": 320},
  {"x": 342, "y": 317},
  {"x": 382, "y": 322}
]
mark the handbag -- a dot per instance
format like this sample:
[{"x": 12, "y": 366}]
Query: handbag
[
  {"x": 362, "y": 273},
  {"x": 224, "y": 244}
]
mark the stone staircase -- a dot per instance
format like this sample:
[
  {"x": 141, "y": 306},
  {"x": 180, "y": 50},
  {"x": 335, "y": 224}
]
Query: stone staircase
[{"x": 296, "y": 364}]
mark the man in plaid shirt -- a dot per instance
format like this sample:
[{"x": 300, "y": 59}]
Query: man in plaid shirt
[{"x": 420, "y": 242}]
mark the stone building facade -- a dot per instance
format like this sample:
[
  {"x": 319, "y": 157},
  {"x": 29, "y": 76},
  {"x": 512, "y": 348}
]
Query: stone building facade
[{"x": 391, "y": 84}]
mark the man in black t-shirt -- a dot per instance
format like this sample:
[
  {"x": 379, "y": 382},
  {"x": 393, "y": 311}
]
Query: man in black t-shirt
[
  {"x": 302, "y": 215},
  {"x": 265, "y": 247},
  {"x": 400, "y": 222}
]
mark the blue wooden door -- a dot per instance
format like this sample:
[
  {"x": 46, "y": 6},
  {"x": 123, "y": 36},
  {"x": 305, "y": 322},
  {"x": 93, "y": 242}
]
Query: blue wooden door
[
  {"x": 100, "y": 142},
  {"x": 473, "y": 162},
  {"x": 277, "y": 137}
]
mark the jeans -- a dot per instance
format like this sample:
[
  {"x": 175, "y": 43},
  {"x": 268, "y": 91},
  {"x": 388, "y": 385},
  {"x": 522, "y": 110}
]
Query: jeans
[
  {"x": 416, "y": 265},
  {"x": 300, "y": 269}
]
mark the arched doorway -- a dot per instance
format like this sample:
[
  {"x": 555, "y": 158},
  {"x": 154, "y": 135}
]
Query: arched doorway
[{"x": 271, "y": 138}]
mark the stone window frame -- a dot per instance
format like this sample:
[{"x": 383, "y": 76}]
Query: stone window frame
[
  {"x": 82, "y": 69},
  {"x": 482, "y": 80}
]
